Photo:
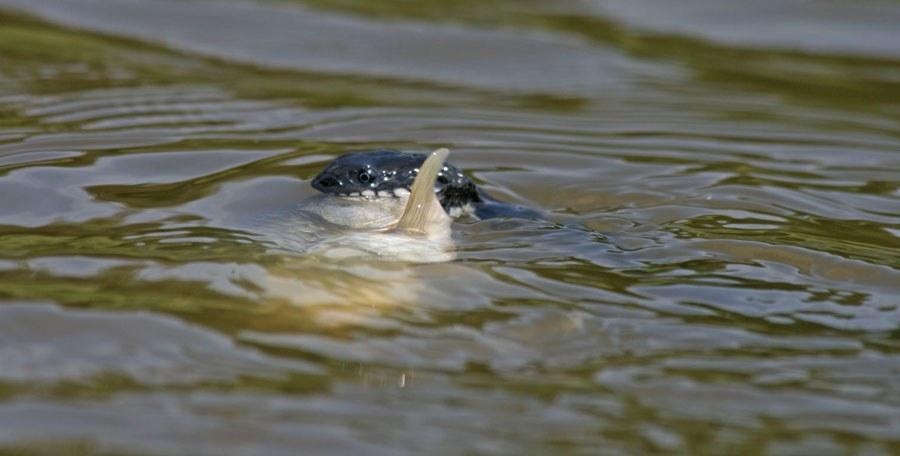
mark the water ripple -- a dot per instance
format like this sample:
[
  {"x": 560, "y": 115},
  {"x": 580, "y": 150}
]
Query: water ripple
[{"x": 718, "y": 271}]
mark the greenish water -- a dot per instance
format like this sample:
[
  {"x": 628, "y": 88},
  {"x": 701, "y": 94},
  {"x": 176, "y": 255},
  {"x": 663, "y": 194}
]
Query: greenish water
[{"x": 722, "y": 274}]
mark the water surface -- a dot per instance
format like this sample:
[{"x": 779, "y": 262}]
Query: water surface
[{"x": 719, "y": 275}]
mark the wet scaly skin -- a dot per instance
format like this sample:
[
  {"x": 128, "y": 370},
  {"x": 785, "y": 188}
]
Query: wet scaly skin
[{"x": 388, "y": 173}]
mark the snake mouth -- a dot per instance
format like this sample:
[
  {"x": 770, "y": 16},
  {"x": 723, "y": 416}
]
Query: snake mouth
[{"x": 397, "y": 192}]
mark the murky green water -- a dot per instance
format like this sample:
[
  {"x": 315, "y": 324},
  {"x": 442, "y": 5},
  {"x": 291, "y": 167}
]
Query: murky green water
[{"x": 723, "y": 276}]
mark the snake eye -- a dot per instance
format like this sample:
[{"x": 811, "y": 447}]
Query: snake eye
[{"x": 365, "y": 176}]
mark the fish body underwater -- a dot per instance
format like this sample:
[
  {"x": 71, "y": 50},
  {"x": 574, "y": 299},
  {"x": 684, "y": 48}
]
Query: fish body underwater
[{"x": 350, "y": 254}]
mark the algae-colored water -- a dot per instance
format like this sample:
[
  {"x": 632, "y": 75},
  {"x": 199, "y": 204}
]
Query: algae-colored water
[{"x": 721, "y": 274}]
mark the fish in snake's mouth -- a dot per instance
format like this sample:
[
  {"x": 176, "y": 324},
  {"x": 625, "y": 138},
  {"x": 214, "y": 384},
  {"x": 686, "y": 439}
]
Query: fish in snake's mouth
[{"x": 387, "y": 173}]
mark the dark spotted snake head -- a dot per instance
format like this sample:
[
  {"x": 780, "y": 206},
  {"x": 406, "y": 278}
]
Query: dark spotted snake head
[{"x": 390, "y": 174}]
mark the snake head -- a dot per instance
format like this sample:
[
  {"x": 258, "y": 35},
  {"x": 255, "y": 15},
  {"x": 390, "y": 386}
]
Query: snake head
[{"x": 389, "y": 173}]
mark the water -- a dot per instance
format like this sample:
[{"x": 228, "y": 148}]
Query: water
[{"x": 722, "y": 275}]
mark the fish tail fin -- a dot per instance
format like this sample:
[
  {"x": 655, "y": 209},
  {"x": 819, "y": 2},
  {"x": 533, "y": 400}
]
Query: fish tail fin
[{"x": 422, "y": 204}]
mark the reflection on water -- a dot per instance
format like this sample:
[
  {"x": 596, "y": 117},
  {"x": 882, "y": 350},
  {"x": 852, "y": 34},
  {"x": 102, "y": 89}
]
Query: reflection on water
[{"x": 720, "y": 273}]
